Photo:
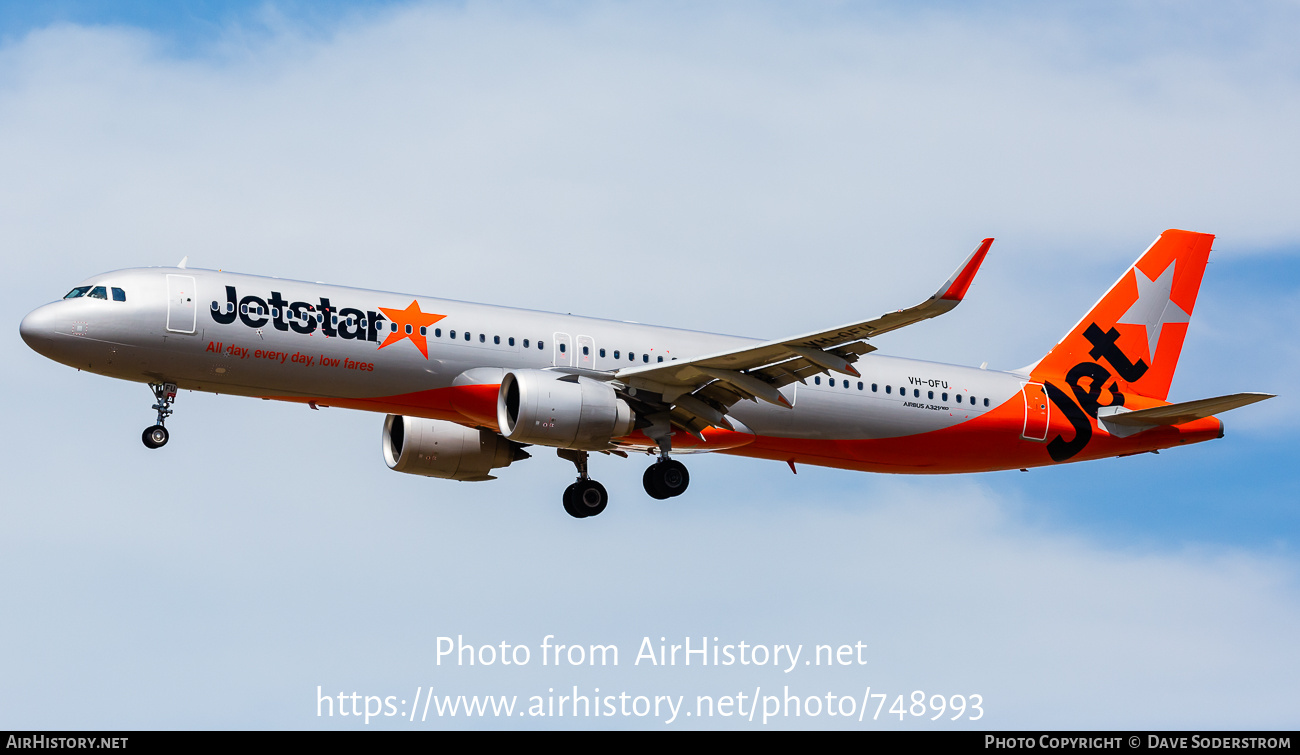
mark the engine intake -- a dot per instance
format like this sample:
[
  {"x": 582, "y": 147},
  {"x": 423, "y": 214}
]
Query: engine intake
[
  {"x": 436, "y": 448},
  {"x": 562, "y": 411}
]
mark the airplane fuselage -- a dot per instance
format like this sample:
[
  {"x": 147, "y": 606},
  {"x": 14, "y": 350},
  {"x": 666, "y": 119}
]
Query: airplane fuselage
[{"x": 420, "y": 356}]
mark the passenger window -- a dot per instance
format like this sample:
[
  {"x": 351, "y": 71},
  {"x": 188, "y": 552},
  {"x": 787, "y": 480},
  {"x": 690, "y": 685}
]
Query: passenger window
[
  {"x": 986, "y": 402},
  {"x": 525, "y": 342},
  {"x": 453, "y": 334},
  {"x": 496, "y": 340},
  {"x": 945, "y": 396},
  {"x": 586, "y": 351},
  {"x": 99, "y": 292},
  {"x": 631, "y": 357},
  {"x": 859, "y": 385},
  {"x": 562, "y": 349},
  {"x": 873, "y": 387},
  {"x": 959, "y": 398},
  {"x": 512, "y": 340},
  {"x": 616, "y": 353},
  {"x": 80, "y": 291},
  {"x": 119, "y": 294},
  {"x": 602, "y": 353},
  {"x": 889, "y": 389},
  {"x": 830, "y": 382},
  {"x": 541, "y": 345},
  {"x": 424, "y": 331},
  {"x": 817, "y": 380},
  {"x": 916, "y": 392},
  {"x": 437, "y": 332},
  {"x": 393, "y": 327},
  {"x": 930, "y": 395},
  {"x": 661, "y": 359},
  {"x": 408, "y": 329},
  {"x": 467, "y": 335},
  {"x": 645, "y": 358}
]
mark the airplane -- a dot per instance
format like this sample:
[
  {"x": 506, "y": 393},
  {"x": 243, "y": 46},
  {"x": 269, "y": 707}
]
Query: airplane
[{"x": 468, "y": 387}]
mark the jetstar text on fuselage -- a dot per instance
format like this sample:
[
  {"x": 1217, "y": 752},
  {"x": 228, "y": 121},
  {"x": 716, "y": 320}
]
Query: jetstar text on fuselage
[{"x": 333, "y": 321}]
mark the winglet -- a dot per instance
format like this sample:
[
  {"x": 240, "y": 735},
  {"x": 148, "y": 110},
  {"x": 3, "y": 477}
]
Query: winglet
[{"x": 956, "y": 286}]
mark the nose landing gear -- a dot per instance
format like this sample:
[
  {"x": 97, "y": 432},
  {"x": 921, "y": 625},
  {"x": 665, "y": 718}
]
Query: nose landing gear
[{"x": 157, "y": 435}]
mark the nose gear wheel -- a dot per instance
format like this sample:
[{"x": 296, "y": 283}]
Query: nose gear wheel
[{"x": 157, "y": 435}]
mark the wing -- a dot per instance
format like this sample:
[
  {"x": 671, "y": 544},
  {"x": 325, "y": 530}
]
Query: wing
[{"x": 700, "y": 391}]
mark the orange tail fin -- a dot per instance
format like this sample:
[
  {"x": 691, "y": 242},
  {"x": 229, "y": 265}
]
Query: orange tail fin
[{"x": 1135, "y": 333}]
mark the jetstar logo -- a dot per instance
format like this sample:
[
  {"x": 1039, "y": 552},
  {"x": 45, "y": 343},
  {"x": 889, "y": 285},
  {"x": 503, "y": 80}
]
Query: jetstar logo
[
  {"x": 347, "y": 323},
  {"x": 1152, "y": 310},
  {"x": 1087, "y": 398}
]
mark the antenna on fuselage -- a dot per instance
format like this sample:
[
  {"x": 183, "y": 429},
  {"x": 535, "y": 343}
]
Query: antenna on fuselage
[{"x": 184, "y": 259}]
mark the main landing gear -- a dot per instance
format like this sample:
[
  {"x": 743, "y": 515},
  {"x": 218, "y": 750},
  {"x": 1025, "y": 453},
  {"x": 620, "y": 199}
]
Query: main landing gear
[
  {"x": 165, "y": 393},
  {"x": 586, "y": 497},
  {"x": 666, "y": 478}
]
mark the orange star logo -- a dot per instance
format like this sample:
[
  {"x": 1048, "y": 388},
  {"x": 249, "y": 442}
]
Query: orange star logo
[{"x": 409, "y": 322}]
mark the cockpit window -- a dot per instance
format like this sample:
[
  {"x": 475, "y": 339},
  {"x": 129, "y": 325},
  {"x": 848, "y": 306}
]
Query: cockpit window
[
  {"x": 77, "y": 292},
  {"x": 118, "y": 294},
  {"x": 98, "y": 292}
]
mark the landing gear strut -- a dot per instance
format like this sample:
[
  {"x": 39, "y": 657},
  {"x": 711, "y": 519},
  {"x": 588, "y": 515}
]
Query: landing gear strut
[
  {"x": 586, "y": 497},
  {"x": 165, "y": 393}
]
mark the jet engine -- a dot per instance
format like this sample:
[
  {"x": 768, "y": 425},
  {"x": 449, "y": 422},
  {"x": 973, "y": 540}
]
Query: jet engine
[
  {"x": 562, "y": 411},
  {"x": 435, "y": 448}
]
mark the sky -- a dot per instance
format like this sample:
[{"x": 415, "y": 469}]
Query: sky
[{"x": 762, "y": 169}]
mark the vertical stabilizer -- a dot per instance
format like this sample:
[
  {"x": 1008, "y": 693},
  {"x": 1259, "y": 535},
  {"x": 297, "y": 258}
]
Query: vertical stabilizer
[{"x": 1136, "y": 331}]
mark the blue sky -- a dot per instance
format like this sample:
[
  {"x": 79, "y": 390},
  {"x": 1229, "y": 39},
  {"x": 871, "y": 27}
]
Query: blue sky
[
  {"x": 186, "y": 25},
  {"x": 812, "y": 166}
]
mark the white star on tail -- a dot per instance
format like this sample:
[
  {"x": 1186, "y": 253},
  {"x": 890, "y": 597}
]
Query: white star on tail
[{"x": 1153, "y": 307}]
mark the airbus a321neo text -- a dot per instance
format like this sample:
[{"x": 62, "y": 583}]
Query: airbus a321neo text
[{"x": 467, "y": 387}]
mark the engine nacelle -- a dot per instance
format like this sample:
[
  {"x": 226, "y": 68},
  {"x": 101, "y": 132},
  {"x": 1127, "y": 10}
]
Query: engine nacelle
[
  {"x": 435, "y": 448},
  {"x": 561, "y": 411}
]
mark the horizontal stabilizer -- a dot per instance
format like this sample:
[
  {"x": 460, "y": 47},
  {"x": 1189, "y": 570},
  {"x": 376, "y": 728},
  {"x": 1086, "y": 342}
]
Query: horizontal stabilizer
[{"x": 1177, "y": 414}]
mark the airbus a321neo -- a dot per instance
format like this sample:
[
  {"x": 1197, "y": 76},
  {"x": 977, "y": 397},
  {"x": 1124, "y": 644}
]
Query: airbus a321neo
[{"x": 467, "y": 387}]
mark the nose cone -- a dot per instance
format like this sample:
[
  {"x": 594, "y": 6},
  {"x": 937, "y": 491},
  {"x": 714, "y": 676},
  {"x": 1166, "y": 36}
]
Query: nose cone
[{"x": 37, "y": 330}]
